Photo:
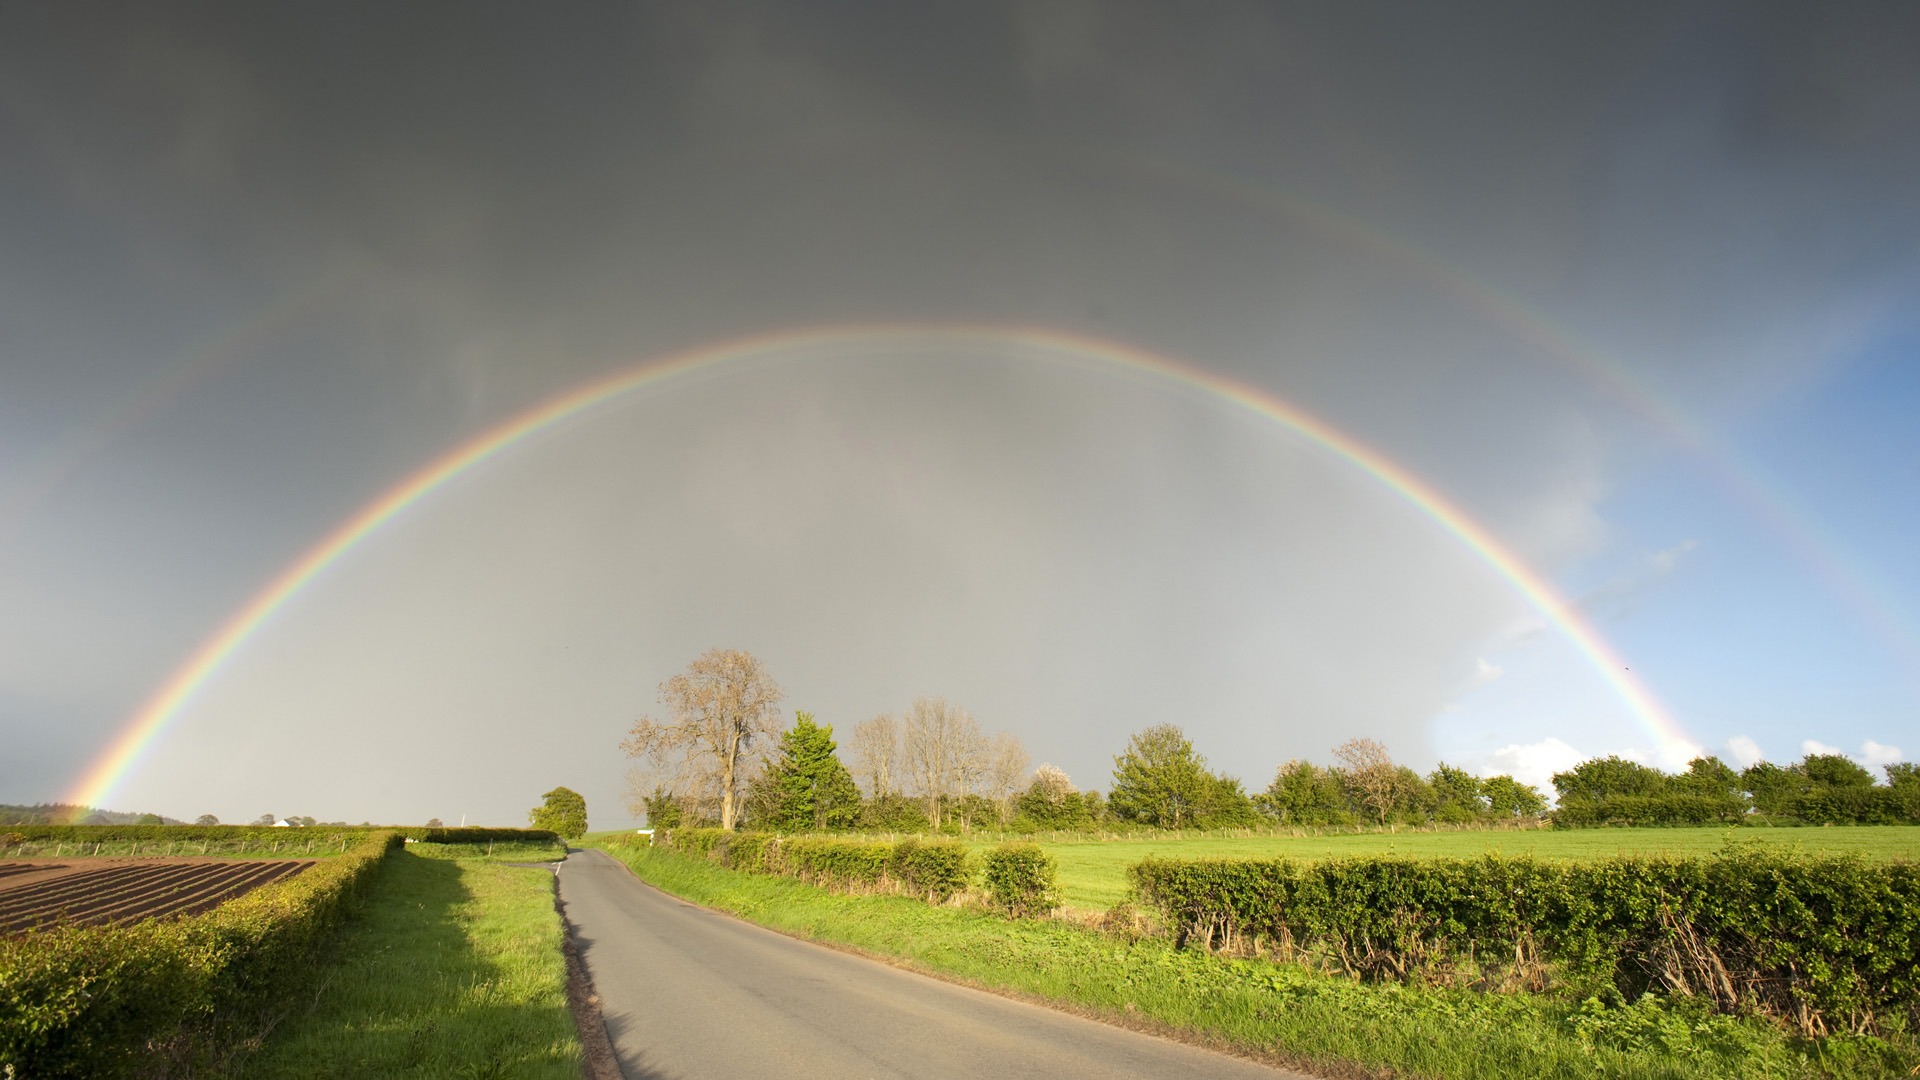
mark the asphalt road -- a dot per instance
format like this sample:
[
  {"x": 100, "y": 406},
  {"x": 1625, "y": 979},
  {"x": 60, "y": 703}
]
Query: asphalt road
[{"x": 689, "y": 994}]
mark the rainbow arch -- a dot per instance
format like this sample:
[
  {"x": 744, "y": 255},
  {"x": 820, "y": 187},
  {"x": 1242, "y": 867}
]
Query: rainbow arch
[{"x": 124, "y": 754}]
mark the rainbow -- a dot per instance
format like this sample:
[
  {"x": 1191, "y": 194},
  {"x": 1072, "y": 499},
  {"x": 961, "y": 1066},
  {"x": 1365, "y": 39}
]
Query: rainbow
[{"x": 124, "y": 755}]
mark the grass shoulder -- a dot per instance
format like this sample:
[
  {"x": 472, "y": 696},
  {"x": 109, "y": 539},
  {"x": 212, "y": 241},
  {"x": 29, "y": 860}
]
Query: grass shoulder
[
  {"x": 1284, "y": 1013},
  {"x": 452, "y": 968}
]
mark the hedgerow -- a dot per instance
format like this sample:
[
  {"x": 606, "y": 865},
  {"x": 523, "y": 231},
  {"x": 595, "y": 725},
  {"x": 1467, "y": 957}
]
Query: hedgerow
[
  {"x": 1825, "y": 943},
  {"x": 162, "y": 996},
  {"x": 934, "y": 870}
]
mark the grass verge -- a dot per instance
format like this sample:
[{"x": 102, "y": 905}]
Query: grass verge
[
  {"x": 1282, "y": 1013},
  {"x": 452, "y": 969}
]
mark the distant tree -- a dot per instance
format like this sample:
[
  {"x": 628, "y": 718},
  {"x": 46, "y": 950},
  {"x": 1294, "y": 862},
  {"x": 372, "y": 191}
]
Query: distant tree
[
  {"x": 1006, "y": 763},
  {"x": 206, "y": 819},
  {"x": 150, "y": 819},
  {"x": 662, "y": 809},
  {"x": 1371, "y": 776},
  {"x": 875, "y": 747},
  {"x": 805, "y": 787},
  {"x": 1601, "y": 779},
  {"x": 1224, "y": 804},
  {"x": 264, "y": 819},
  {"x": 945, "y": 753},
  {"x": 1458, "y": 795},
  {"x": 1096, "y": 805},
  {"x": 1509, "y": 798},
  {"x": 304, "y": 820},
  {"x": 1834, "y": 771},
  {"x": 564, "y": 812},
  {"x": 1303, "y": 793},
  {"x": 434, "y": 823},
  {"x": 720, "y": 712},
  {"x": 1774, "y": 790},
  {"x": 1051, "y": 802},
  {"x": 1158, "y": 780},
  {"x": 894, "y": 813}
]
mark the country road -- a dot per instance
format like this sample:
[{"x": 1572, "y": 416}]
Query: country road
[{"x": 689, "y": 994}]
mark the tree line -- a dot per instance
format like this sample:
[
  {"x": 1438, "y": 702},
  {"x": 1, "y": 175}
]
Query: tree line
[{"x": 1819, "y": 789}]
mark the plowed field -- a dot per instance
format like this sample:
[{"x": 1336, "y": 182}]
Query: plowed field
[{"x": 85, "y": 892}]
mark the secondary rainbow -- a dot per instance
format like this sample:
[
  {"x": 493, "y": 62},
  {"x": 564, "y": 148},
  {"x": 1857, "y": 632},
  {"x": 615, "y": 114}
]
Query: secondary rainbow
[{"x": 124, "y": 754}]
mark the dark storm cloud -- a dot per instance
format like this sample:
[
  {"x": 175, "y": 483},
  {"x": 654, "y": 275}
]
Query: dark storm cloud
[{"x": 462, "y": 208}]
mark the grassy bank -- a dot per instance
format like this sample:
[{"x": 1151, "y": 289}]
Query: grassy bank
[
  {"x": 1093, "y": 873},
  {"x": 453, "y": 968},
  {"x": 1282, "y": 1012}
]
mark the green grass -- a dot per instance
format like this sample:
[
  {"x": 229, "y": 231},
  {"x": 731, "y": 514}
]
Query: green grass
[
  {"x": 1278, "y": 1011},
  {"x": 1093, "y": 873},
  {"x": 453, "y": 969}
]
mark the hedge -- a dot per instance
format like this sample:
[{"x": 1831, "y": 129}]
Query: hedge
[
  {"x": 1826, "y": 943},
  {"x": 167, "y": 995},
  {"x": 934, "y": 870},
  {"x": 1021, "y": 879}
]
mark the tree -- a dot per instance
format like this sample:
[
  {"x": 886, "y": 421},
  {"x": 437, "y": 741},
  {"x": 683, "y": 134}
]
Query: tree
[
  {"x": 719, "y": 709},
  {"x": 206, "y": 819},
  {"x": 875, "y": 747},
  {"x": 564, "y": 812},
  {"x": 150, "y": 819},
  {"x": 944, "y": 748},
  {"x": 1458, "y": 795},
  {"x": 1834, "y": 771},
  {"x": 1050, "y": 801},
  {"x": 263, "y": 819},
  {"x": 1509, "y": 798},
  {"x": 1902, "y": 775},
  {"x": 1372, "y": 776},
  {"x": 1006, "y": 762},
  {"x": 805, "y": 786},
  {"x": 1303, "y": 793},
  {"x": 661, "y": 808},
  {"x": 1158, "y": 780}
]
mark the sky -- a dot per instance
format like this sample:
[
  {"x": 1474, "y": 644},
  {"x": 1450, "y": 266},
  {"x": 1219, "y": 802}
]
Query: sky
[{"x": 1510, "y": 384}]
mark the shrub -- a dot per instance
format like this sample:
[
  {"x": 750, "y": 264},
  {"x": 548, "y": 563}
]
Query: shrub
[
  {"x": 1021, "y": 879},
  {"x": 933, "y": 869},
  {"x": 105, "y": 1001},
  {"x": 1826, "y": 943}
]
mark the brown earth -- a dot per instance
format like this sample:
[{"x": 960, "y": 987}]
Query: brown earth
[{"x": 94, "y": 892}]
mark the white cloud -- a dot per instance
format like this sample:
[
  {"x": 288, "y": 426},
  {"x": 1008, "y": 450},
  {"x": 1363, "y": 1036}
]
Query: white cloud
[
  {"x": 1874, "y": 755},
  {"x": 1486, "y": 671},
  {"x": 1815, "y": 746},
  {"x": 1533, "y": 763},
  {"x": 1744, "y": 751}
]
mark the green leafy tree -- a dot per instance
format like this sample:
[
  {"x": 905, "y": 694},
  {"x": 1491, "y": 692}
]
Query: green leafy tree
[
  {"x": 894, "y": 813},
  {"x": 263, "y": 819},
  {"x": 206, "y": 819},
  {"x": 1834, "y": 771},
  {"x": 1509, "y": 798},
  {"x": 662, "y": 809},
  {"x": 1774, "y": 790},
  {"x": 435, "y": 823},
  {"x": 1303, "y": 793},
  {"x": 1601, "y": 779},
  {"x": 806, "y": 787},
  {"x": 1902, "y": 775},
  {"x": 151, "y": 819},
  {"x": 564, "y": 812},
  {"x": 1458, "y": 796},
  {"x": 1159, "y": 780},
  {"x": 1051, "y": 802}
]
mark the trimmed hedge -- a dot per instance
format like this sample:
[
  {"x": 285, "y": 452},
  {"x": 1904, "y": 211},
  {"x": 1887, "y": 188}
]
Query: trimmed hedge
[
  {"x": 477, "y": 834},
  {"x": 1825, "y": 943},
  {"x": 934, "y": 870},
  {"x": 1021, "y": 879},
  {"x": 162, "y": 996}
]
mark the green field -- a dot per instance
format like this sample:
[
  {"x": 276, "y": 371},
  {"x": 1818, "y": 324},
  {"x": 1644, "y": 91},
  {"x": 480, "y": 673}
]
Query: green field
[
  {"x": 1093, "y": 873},
  {"x": 453, "y": 968}
]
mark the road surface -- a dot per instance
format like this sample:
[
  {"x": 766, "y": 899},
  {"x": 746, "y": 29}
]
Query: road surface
[{"x": 690, "y": 994}]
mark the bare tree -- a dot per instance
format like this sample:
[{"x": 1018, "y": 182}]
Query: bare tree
[
  {"x": 944, "y": 752},
  {"x": 875, "y": 749},
  {"x": 1371, "y": 773},
  {"x": 717, "y": 708},
  {"x": 1007, "y": 762}
]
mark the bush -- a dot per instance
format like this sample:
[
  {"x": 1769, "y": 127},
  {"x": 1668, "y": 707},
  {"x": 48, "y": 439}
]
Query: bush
[
  {"x": 1826, "y": 943},
  {"x": 1021, "y": 879},
  {"x": 105, "y": 1001},
  {"x": 934, "y": 869}
]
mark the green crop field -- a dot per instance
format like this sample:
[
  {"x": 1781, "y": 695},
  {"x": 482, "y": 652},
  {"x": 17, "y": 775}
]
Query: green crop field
[{"x": 1093, "y": 873}]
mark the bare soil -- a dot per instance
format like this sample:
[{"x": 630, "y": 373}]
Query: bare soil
[{"x": 95, "y": 892}]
